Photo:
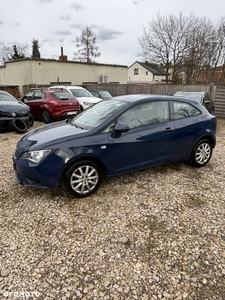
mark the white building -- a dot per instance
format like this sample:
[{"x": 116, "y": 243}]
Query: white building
[
  {"x": 43, "y": 72},
  {"x": 144, "y": 72}
]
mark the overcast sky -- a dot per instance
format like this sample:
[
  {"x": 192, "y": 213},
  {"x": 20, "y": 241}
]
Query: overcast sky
[{"x": 117, "y": 24}]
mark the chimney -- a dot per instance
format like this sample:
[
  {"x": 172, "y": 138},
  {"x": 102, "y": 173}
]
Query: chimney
[{"x": 62, "y": 57}]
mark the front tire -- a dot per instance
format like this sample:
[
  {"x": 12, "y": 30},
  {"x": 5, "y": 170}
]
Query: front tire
[
  {"x": 201, "y": 153},
  {"x": 82, "y": 179}
]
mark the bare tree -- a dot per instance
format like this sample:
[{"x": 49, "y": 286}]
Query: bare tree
[
  {"x": 218, "y": 55},
  {"x": 185, "y": 44},
  {"x": 200, "y": 51},
  {"x": 86, "y": 46},
  {"x": 14, "y": 52},
  {"x": 165, "y": 41}
]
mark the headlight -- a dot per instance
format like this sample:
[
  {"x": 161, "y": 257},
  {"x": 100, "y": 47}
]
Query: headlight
[
  {"x": 88, "y": 103},
  {"x": 35, "y": 156}
]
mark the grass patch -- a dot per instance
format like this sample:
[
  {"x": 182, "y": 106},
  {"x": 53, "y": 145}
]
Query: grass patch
[
  {"x": 153, "y": 225},
  {"x": 196, "y": 202}
]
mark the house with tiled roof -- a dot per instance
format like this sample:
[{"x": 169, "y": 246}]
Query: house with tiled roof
[{"x": 145, "y": 72}]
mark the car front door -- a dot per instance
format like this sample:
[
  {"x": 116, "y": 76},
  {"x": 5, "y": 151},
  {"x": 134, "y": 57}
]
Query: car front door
[
  {"x": 35, "y": 104},
  {"x": 148, "y": 142}
]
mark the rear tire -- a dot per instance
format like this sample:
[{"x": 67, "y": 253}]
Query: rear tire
[
  {"x": 46, "y": 118},
  {"x": 18, "y": 125},
  {"x": 201, "y": 153},
  {"x": 82, "y": 179}
]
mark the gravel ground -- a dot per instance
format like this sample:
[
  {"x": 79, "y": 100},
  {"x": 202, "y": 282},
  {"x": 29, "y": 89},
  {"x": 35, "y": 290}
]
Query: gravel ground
[{"x": 154, "y": 234}]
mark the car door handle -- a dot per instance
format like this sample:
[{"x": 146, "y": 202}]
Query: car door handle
[{"x": 168, "y": 129}]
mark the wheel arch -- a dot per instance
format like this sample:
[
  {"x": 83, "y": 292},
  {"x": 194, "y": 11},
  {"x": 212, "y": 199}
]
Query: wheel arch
[
  {"x": 44, "y": 108},
  {"x": 207, "y": 137},
  {"x": 90, "y": 158}
]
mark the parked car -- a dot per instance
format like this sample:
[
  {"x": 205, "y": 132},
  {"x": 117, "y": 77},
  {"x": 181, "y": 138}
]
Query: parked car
[
  {"x": 85, "y": 98},
  {"x": 50, "y": 105},
  {"x": 14, "y": 114},
  {"x": 105, "y": 95},
  {"x": 124, "y": 134},
  {"x": 202, "y": 97}
]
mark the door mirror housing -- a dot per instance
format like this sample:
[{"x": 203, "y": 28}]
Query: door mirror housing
[{"x": 120, "y": 128}]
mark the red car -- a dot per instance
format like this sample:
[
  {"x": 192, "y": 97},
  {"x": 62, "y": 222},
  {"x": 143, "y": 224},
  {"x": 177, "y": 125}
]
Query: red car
[{"x": 51, "y": 105}]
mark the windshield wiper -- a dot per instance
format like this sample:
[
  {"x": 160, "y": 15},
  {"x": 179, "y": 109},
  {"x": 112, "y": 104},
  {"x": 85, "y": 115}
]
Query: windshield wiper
[{"x": 77, "y": 126}]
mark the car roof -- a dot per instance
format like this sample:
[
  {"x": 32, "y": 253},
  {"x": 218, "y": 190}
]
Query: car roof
[
  {"x": 99, "y": 91},
  {"x": 57, "y": 91},
  {"x": 181, "y": 92},
  {"x": 67, "y": 86},
  {"x": 145, "y": 97}
]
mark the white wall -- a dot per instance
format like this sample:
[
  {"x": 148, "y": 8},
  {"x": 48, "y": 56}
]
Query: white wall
[{"x": 42, "y": 71}]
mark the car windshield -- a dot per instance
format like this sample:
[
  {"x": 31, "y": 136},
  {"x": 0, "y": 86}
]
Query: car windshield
[
  {"x": 7, "y": 97},
  {"x": 105, "y": 94},
  {"x": 62, "y": 96},
  {"x": 81, "y": 93},
  {"x": 193, "y": 96},
  {"x": 97, "y": 114}
]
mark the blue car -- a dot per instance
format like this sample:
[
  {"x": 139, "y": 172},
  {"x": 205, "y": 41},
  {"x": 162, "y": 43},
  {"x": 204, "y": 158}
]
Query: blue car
[{"x": 120, "y": 135}]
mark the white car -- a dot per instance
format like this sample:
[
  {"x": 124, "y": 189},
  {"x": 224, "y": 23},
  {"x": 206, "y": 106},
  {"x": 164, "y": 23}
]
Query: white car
[{"x": 85, "y": 98}]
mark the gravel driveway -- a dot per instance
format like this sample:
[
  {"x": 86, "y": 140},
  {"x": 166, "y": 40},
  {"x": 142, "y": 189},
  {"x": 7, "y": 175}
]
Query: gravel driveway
[{"x": 154, "y": 234}]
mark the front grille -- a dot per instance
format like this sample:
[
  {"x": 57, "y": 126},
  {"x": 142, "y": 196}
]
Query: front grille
[
  {"x": 19, "y": 115},
  {"x": 14, "y": 114}
]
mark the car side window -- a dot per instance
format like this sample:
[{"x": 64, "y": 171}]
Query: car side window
[
  {"x": 206, "y": 97},
  {"x": 110, "y": 128},
  {"x": 183, "y": 110},
  {"x": 145, "y": 114},
  {"x": 37, "y": 95},
  {"x": 28, "y": 96}
]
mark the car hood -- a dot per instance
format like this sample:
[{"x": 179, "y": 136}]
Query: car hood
[
  {"x": 89, "y": 99},
  {"x": 51, "y": 134},
  {"x": 11, "y": 106}
]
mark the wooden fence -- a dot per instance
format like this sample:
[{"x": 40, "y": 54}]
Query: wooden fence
[
  {"x": 220, "y": 102},
  {"x": 154, "y": 89},
  {"x": 217, "y": 93}
]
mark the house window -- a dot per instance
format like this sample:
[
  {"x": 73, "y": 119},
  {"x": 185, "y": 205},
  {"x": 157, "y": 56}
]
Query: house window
[
  {"x": 136, "y": 71},
  {"x": 146, "y": 73}
]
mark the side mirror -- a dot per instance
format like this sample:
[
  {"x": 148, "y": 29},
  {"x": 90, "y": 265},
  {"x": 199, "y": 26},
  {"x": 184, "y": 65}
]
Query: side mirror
[{"x": 120, "y": 128}]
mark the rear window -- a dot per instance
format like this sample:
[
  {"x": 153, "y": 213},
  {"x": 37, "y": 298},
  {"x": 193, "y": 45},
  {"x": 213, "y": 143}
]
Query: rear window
[
  {"x": 62, "y": 96},
  {"x": 183, "y": 110}
]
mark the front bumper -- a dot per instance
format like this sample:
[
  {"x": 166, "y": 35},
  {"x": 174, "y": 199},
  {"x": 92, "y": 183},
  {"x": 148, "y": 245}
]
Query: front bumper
[
  {"x": 46, "y": 174},
  {"x": 5, "y": 121}
]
